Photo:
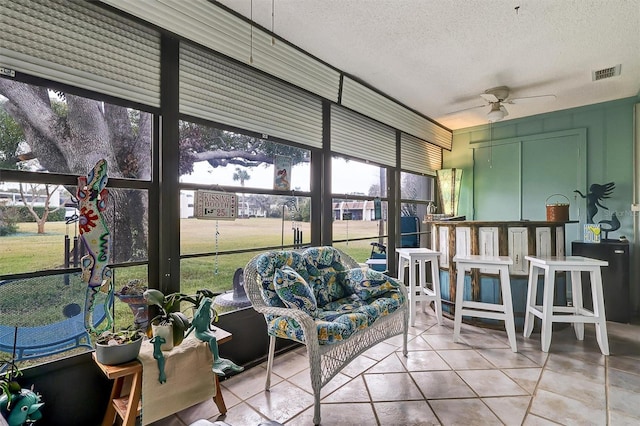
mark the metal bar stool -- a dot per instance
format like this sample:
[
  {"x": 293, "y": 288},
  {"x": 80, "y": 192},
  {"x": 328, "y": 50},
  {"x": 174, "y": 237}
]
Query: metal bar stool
[
  {"x": 418, "y": 290},
  {"x": 470, "y": 308},
  {"x": 575, "y": 314}
]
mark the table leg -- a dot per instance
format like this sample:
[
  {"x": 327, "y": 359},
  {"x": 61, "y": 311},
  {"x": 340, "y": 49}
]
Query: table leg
[
  {"x": 110, "y": 414},
  {"x": 576, "y": 291},
  {"x": 134, "y": 400},
  {"x": 218, "y": 399},
  {"x": 458, "y": 315},
  {"x": 599, "y": 312},
  {"x": 507, "y": 302},
  {"x": 532, "y": 289},
  {"x": 547, "y": 307}
]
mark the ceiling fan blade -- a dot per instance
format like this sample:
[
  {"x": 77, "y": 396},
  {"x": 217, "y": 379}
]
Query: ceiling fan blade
[
  {"x": 503, "y": 109},
  {"x": 465, "y": 109},
  {"x": 489, "y": 97},
  {"x": 525, "y": 99}
]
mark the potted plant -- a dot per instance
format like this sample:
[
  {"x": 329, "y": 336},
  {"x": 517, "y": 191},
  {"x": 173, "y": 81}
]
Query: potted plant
[
  {"x": 171, "y": 323},
  {"x": 18, "y": 406},
  {"x": 132, "y": 293},
  {"x": 115, "y": 347}
]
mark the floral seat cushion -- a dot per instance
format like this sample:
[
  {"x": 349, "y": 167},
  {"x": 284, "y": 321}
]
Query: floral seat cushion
[{"x": 347, "y": 300}]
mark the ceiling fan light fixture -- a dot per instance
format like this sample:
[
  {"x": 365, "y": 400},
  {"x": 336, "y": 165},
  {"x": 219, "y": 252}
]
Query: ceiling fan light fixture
[{"x": 496, "y": 114}]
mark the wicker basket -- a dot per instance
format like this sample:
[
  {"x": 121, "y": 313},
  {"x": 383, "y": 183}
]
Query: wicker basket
[{"x": 558, "y": 212}]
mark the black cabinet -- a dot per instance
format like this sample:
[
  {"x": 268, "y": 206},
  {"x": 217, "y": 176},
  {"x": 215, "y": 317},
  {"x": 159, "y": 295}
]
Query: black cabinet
[{"x": 615, "y": 277}]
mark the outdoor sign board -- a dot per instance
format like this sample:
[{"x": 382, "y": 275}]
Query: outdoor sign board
[{"x": 215, "y": 205}]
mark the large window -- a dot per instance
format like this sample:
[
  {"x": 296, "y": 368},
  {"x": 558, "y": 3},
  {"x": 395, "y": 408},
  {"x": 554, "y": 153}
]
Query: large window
[
  {"x": 271, "y": 181},
  {"x": 48, "y": 139},
  {"x": 359, "y": 206},
  {"x": 416, "y": 192}
]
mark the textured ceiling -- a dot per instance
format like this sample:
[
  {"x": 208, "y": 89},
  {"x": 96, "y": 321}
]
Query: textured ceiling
[{"x": 437, "y": 56}]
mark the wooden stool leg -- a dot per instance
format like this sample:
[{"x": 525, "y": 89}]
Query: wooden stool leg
[
  {"x": 134, "y": 400},
  {"x": 218, "y": 399},
  {"x": 458, "y": 315},
  {"x": 531, "y": 300},
  {"x": 110, "y": 414},
  {"x": 507, "y": 302},
  {"x": 598, "y": 311},
  {"x": 547, "y": 308},
  {"x": 576, "y": 291}
]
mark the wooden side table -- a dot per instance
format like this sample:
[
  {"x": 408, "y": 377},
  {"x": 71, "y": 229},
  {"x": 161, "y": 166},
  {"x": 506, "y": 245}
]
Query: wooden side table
[{"x": 129, "y": 406}]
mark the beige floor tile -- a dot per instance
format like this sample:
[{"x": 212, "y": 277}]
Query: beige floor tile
[
  {"x": 424, "y": 361},
  {"x": 479, "y": 341},
  {"x": 622, "y": 379},
  {"x": 379, "y": 351},
  {"x": 527, "y": 378},
  {"x": 282, "y": 402},
  {"x": 249, "y": 382},
  {"x": 406, "y": 413},
  {"x": 418, "y": 344},
  {"x": 566, "y": 364},
  {"x": 243, "y": 414},
  {"x": 564, "y": 410},
  {"x": 620, "y": 419},
  {"x": 510, "y": 409},
  {"x": 585, "y": 390},
  {"x": 353, "y": 391},
  {"x": 628, "y": 364},
  {"x": 288, "y": 364},
  {"x": 491, "y": 383},
  {"x": 337, "y": 414},
  {"x": 624, "y": 401},
  {"x": 204, "y": 410},
  {"x": 358, "y": 366},
  {"x": 303, "y": 380},
  {"x": 390, "y": 364},
  {"x": 468, "y": 412},
  {"x": 464, "y": 360},
  {"x": 442, "y": 385},
  {"x": 505, "y": 358},
  {"x": 533, "y": 420},
  {"x": 441, "y": 341},
  {"x": 392, "y": 387}
]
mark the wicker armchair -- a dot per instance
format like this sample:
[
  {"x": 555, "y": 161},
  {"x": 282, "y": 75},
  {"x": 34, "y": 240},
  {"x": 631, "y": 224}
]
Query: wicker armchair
[{"x": 348, "y": 309}]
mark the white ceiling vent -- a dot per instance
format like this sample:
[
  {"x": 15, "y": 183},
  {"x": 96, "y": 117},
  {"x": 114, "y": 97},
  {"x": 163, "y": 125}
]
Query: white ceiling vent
[{"x": 605, "y": 73}]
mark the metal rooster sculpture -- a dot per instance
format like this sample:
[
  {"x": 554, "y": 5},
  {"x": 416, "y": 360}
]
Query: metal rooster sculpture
[{"x": 596, "y": 194}]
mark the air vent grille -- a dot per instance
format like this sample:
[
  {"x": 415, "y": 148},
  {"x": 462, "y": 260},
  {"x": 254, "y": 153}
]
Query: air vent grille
[{"x": 606, "y": 73}]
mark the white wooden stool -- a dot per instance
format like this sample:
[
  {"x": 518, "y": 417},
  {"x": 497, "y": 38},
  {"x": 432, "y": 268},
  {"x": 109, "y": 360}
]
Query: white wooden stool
[
  {"x": 503, "y": 311},
  {"x": 418, "y": 290},
  {"x": 575, "y": 314}
]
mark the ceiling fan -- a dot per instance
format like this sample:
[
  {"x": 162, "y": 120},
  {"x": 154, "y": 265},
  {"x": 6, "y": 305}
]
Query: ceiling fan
[{"x": 496, "y": 97}]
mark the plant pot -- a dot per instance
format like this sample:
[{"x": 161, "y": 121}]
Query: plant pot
[
  {"x": 118, "y": 354},
  {"x": 139, "y": 308},
  {"x": 166, "y": 332}
]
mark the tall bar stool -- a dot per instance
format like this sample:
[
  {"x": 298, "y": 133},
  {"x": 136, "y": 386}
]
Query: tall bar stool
[
  {"x": 470, "y": 308},
  {"x": 576, "y": 313},
  {"x": 418, "y": 290}
]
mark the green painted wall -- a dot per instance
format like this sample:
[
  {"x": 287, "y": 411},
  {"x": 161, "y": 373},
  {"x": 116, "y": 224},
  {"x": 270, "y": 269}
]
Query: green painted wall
[
  {"x": 609, "y": 157},
  {"x": 610, "y": 152}
]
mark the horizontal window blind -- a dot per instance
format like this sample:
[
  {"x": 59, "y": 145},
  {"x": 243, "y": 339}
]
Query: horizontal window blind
[
  {"x": 221, "y": 90},
  {"x": 372, "y": 104},
  {"x": 211, "y": 26},
  {"x": 419, "y": 156},
  {"x": 78, "y": 43},
  {"x": 358, "y": 136}
]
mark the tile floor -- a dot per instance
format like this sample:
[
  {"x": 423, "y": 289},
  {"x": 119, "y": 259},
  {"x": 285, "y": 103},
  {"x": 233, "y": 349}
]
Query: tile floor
[{"x": 479, "y": 382}]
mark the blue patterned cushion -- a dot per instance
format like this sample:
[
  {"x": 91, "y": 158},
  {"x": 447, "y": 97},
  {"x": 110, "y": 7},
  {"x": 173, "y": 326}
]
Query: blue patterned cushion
[
  {"x": 294, "y": 291},
  {"x": 266, "y": 266},
  {"x": 367, "y": 283},
  {"x": 326, "y": 273}
]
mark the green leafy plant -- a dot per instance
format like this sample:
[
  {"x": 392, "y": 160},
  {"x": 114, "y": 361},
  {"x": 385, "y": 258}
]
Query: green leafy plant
[
  {"x": 8, "y": 379},
  {"x": 119, "y": 337},
  {"x": 169, "y": 309}
]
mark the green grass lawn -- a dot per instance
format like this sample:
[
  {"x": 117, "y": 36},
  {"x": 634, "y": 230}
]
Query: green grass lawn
[{"x": 28, "y": 251}]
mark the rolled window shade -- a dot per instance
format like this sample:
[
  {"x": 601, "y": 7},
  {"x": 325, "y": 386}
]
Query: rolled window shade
[
  {"x": 214, "y": 27},
  {"x": 419, "y": 156},
  {"x": 218, "y": 89},
  {"x": 78, "y": 43},
  {"x": 358, "y": 136},
  {"x": 372, "y": 104}
]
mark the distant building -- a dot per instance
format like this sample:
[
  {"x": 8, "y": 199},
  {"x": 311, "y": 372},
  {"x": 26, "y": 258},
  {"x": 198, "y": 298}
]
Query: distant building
[{"x": 355, "y": 210}]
